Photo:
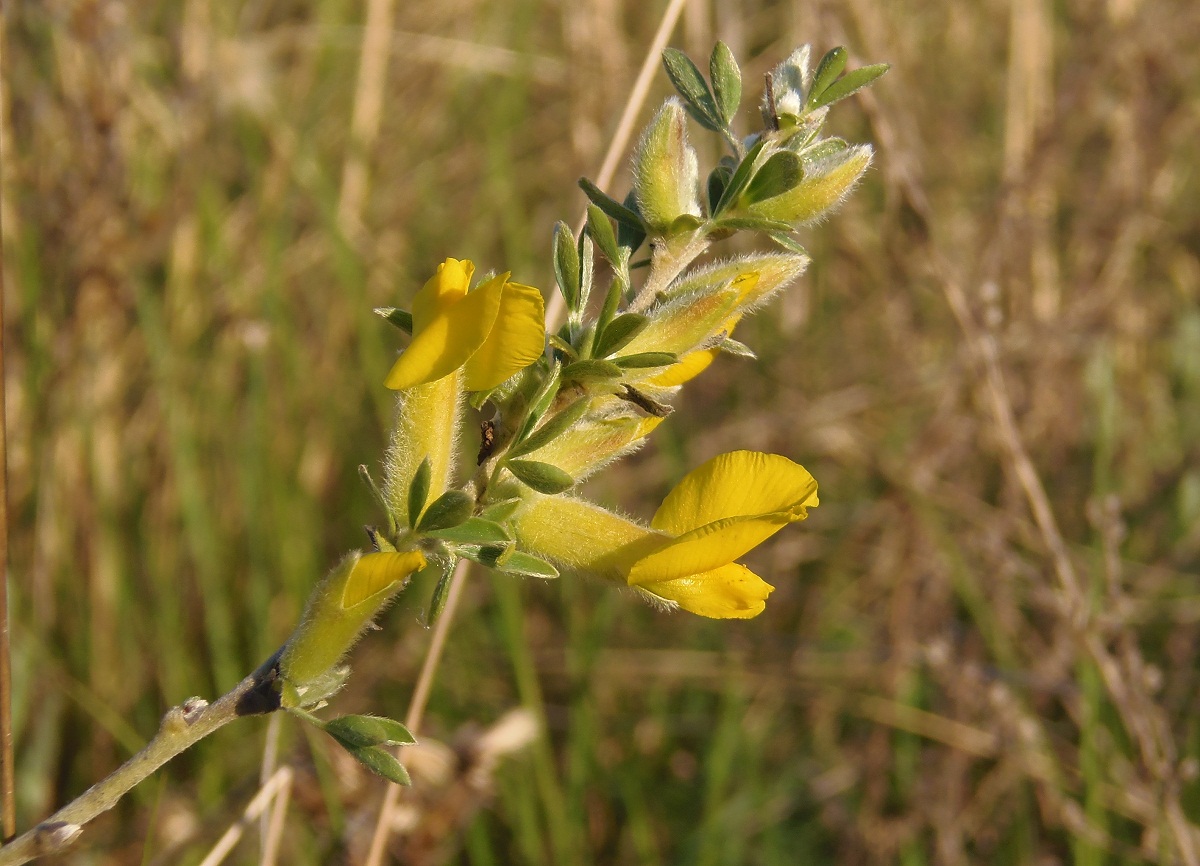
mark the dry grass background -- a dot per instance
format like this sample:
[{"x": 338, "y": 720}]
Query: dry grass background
[{"x": 983, "y": 645}]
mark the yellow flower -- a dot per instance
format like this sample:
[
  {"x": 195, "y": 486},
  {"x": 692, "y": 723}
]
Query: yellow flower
[
  {"x": 715, "y": 515},
  {"x": 491, "y": 332}
]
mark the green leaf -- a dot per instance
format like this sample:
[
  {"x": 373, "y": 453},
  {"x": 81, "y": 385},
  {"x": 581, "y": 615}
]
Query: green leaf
[
  {"x": 647, "y": 359},
  {"x": 828, "y": 70},
  {"x": 619, "y": 332},
  {"x": 619, "y": 212},
  {"x": 731, "y": 346},
  {"x": 402, "y": 319},
  {"x": 587, "y": 268},
  {"x": 501, "y": 511},
  {"x": 850, "y": 83},
  {"x": 601, "y": 231},
  {"x": 693, "y": 88},
  {"x": 788, "y": 243},
  {"x": 559, "y": 344},
  {"x": 727, "y": 81},
  {"x": 449, "y": 509},
  {"x": 381, "y": 762},
  {"x": 628, "y": 235},
  {"x": 752, "y": 223},
  {"x": 717, "y": 181},
  {"x": 590, "y": 370},
  {"x": 552, "y": 429},
  {"x": 489, "y": 556},
  {"x": 359, "y": 731},
  {"x": 566, "y": 264},
  {"x": 780, "y": 173},
  {"x": 523, "y": 563},
  {"x": 741, "y": 177},
  {"x": 473, "y": 530},
  {"x": 418, "y": 492},
  {"x": 437, "y": 601},
  {"x": 542, "y": 477}
]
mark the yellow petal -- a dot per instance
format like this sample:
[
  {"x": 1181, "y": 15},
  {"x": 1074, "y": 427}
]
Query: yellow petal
[
  {"x": 711, "y": 546},
  {"x": 445, "y": 288},
  {"x": 376, "y": 572},
  {"x": 517, "y": 339},
  {"x": 452, "y": 336},
  {"x": 730, "y": 592},
  {"x": 689, "y": 367},
  {"x": 737, "y": 484}
]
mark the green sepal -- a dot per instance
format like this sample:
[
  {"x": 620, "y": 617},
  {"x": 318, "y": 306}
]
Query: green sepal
[
  {"x": 741, "y": 176},
  {"x": 500, "y": 511},
  {"x": 552, "y": 429},
  {"x": 590, "y": 370},
  {"x": 646, "y": 359},
  {"x": 450, "y": 509},
  {"x": 542, "y": 477},
  {"x": 726, "y": 81},
  {"x": 850, "y": 83},
  {"x": 780, "y": 173},
  {"x": 601, "y": 231},
  {"x": 697, "y": 98},
  {"x": 381, "y": 762},
  {"x": 566, "y": 265},
  {"x": 528, "y": 565},
  {"x": 619, "y": 212},
  {"x": 358, "y": 731},
  {"x": 828, "y": 70},
  {"x": 402, "y": 319},
  {"x": 473, "y": 530},
  {"x": 418, "y": 493},
  {"x": 619, "y": 332}
]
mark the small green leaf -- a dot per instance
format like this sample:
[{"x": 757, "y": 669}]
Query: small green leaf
[
  {"x": 473, "y": 530},
  {"x": 542, "y": 477},
  {"x": 501, "y": 511},
  {"x": 731, "y": 346},
  {"x": 541, "y": 401},
  {"x": 630, "y": 235},
  {"x": 587, "y": 269},
  {"x": 788, "y": 243},
  {"x": 552, "y": 429},
  {"x": 619, "y": 212},
  {"x": 418, "y": 492},
  {"x": 752, "y": 223},
  {"x": 828, "y": 70},
  {"x": 489, "y": 556},
  {"x": 693, "y": 88},
  {"x": 402, "y": 319},
  {"x": 646, "y": 359},
  {"x": 850, "y": 83},
  {"x": 590, "y": 370},
  {"x": 437, "y": 601},
  {"x": 780, "y": 173},
  {"x": 619, "y": 332},
  {"x": 601, "y": 231},
  {"x": 523, "y": 563},
  {"x": 741, "y": 177},
  {"x": 727, "y": 81},
  {"x": 566, "y": 264},
  {"x": 449, "y": 509},
  {"x": 717, "y": 181},
  {"x": 560, "y": 345},
  {"x": 359, "y": 731},
  {"x": 381, "y": 762}
]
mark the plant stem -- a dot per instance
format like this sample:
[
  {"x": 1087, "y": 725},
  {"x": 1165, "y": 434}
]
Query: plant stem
[{"x": 181, "y": 728}]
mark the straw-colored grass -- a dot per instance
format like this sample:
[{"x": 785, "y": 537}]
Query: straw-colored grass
[{"x": 982, "y": 646}]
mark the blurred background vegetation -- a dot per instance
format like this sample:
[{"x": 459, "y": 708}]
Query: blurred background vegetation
[{"x": 954, "y": 668}]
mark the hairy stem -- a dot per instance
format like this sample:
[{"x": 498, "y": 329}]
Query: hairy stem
[{"x": 181, "y": 728}]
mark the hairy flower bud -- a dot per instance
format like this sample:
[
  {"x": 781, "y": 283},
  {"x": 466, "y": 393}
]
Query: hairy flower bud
[
  {"x": 665, "y": 171},
  {"x": 826, "y": 182}
]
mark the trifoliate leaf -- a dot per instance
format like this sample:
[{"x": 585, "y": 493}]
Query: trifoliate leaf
[
  {"x": 698, "y": 100},
  {"x": 851, "y": 83},
  {"x": 726, "y": 80},
  {"x": 542, "y": 477},
  {"x": 828, "y": 70}
]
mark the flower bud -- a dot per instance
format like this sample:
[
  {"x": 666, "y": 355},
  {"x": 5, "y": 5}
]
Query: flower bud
[
  {"x": 826, "y": 182},
  {"x": 774, "y": 271},
  {"x": 665, "y": 171},
  {"x": 428, "y": 417},
  {"x": 608, "y": 431}
]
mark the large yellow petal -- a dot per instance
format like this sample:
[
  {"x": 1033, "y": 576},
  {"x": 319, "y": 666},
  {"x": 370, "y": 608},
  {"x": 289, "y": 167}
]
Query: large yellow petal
[
  {"x": 451, "y": 337},
  {"x": 711, "y": 546},
  {"x": 376, "y": 572},
  {"x": 730, "y": 592},
  {"x": 517, "y": 339},
  {"x": 737, "y": 484},
  {"x": 444, "y": 289},
  {"x": 689, "y": 367}
]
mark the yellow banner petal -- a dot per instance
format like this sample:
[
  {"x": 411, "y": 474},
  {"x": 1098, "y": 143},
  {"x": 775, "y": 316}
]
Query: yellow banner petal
[
  {"x": 711, "y": 546},
  {"x": 689, "y": 367},
  {"x": 443, "y": 289},
  {"x": 730, "y": 592},
  {"x": 737, "y": 484},
  {"x": 451, "y": 337},
  {"x": 376, "y": 572},
  {"x": 517, "y": 339}
]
